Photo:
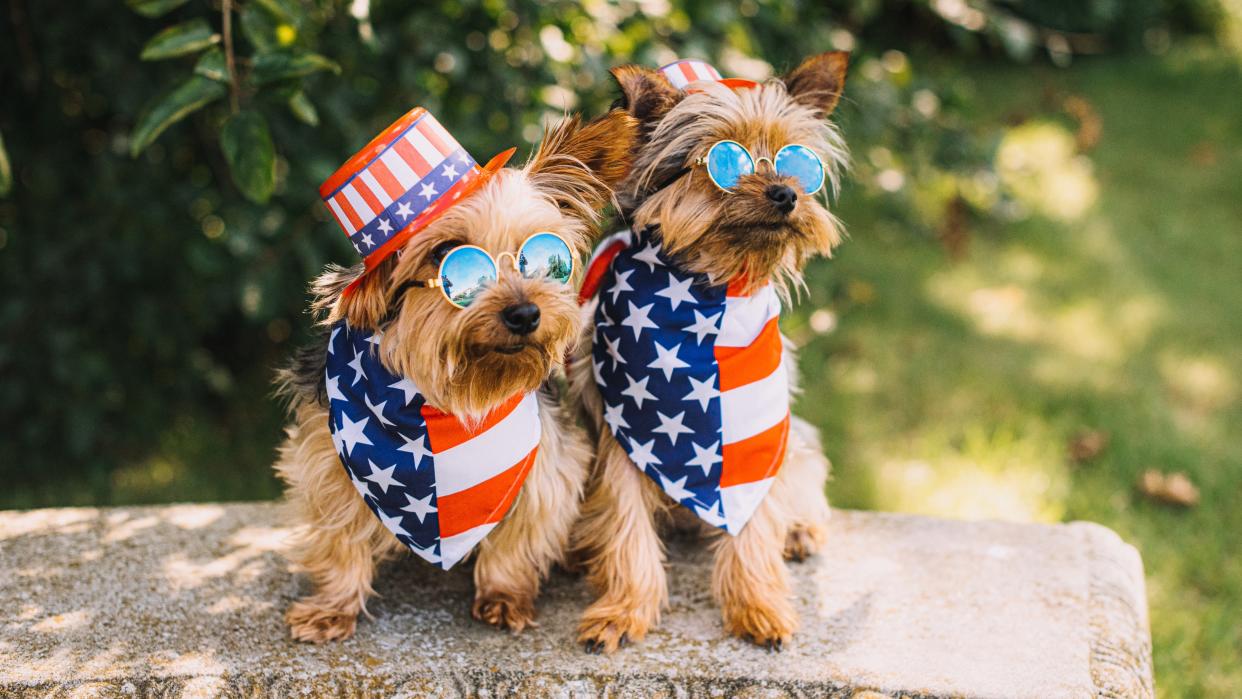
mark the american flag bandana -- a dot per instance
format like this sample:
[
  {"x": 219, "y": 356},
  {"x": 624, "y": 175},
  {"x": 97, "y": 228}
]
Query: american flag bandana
[
  {"x": 692, "y": 378},
  {"x": 436, "y": 484}
]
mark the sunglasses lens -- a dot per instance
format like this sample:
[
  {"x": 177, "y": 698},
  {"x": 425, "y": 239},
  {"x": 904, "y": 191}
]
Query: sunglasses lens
[
  {"x": 802, "y": 163},
  {"x": 728, "y": 162},
  {"x": 546, "y": 255},
  {"x": 464, "y": 273}
]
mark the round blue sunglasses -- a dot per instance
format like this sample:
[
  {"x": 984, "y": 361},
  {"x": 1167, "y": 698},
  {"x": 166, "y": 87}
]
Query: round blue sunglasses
[
  {"x": 469, "y": 269},
  {"x": 729, "y": 161}
]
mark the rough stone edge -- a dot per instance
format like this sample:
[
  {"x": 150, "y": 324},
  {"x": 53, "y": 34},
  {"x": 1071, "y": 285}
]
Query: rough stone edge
[
  {"x": 1121, "y": 666},
  {"x": 453, "y": 684}
]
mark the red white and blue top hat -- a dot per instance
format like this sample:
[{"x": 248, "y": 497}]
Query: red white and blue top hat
[
  {"x": 690, "y": 70},
  {"x": 400, "y": 182}
]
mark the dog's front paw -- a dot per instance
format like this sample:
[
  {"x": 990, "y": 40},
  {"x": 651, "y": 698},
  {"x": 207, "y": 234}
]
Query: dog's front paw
[
  {"x": 604, "y": 629},
  {"x": 803, "y": 541},
  {"x": 504, "y": 611},
  {"x": 312, "y": 623},
  {"x": 767, "y": 626}
]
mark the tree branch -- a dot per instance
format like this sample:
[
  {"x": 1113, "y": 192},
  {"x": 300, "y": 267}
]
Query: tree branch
[{"x": 226, "y": 10}]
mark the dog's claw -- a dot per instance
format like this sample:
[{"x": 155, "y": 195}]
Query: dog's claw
[
  {"x": 774, "y": 645},
  {"x": 594, "y": 646}
]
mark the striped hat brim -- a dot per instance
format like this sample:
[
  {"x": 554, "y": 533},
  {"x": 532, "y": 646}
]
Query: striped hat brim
[
  {"x": 400, "y": 182},
  {"x": 460, "y": 191}
]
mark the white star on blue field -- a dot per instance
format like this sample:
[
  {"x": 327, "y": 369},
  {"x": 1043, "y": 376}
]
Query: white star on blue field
[{"x": 654, "y": 362}]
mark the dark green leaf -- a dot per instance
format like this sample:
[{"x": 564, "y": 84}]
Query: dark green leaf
[
  {"x": 270, "y": 67},
  {"x": 6, "y": 172},
  {"x": 247, "y": 147},
  {"x": 154, "y": 8},
  {"x": 212, "y": 65},
  {"x": 173, "y": 107},
  {"x": 259, "y": 27},
  {"x": 179, "y": 40},
  {"x": 302, "y": 108},
  {"x": 282, "y": 10}
]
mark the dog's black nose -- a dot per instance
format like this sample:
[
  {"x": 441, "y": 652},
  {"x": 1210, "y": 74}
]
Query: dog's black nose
[
  {"x": 782, "y": 197},
  {"x": 521, "y": 318}
]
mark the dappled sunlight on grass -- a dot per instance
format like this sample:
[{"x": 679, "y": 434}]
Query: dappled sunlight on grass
[
  {"x": 1038, "y": 163},
  {"x": 957, "y": 385},
  {"x": 1016, "y": 475},
  {"x": 1199, "y": 387},
  {"x": 149, "y": 476},
  {"x": 1005, "y": 299}
]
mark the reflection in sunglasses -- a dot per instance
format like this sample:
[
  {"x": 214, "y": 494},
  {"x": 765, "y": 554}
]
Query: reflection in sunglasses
[
  {"x": 468, "y": 270},
  {"x": 729, "y": 161}
]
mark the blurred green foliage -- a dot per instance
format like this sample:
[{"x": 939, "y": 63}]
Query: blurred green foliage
[{"x": 143, "y": 290}]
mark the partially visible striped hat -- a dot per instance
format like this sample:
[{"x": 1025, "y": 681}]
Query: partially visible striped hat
[
  {"x": 690, "y": 70},
  {"x": 400, "y": 182}
]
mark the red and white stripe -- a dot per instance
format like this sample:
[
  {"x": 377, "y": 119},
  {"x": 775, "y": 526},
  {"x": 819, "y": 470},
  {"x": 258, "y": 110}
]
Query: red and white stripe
[
  {"x": 688, "y": 70},
  {"x": 396, "y": 171},
  {"x": 754, "y": 400},
  {"x": 479, "y": 470}
]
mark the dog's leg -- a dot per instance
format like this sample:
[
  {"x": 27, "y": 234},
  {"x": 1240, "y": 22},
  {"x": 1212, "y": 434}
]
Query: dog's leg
[
  {"x": 750, "y": 581},
  {"x": 339, "y": 540},
  {"x": 625, "y": 558},
  {"x": 515, "y": 557},
  {"x": 806, "y": 465}
]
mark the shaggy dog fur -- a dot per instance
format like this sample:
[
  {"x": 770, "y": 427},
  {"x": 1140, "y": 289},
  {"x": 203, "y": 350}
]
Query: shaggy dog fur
[
  {"x": 723, "y": 236},
  {"x": 465, "y": 362}
]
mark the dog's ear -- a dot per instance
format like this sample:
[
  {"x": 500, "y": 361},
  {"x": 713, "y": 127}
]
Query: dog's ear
[
  {"x": 819, "y": 80},
  {"x": 645, "y": 93},
  {"x": 579, "y": 164},
  {"x": 363, "y": 305}
]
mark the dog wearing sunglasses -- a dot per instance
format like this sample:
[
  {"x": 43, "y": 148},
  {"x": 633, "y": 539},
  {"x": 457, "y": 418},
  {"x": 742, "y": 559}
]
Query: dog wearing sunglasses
[
  {"x": 453, "y": 336},
  {"x": 687, "y": 379}
]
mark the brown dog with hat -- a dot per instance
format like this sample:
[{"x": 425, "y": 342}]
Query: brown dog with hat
[{"x": 418, "y": 421}]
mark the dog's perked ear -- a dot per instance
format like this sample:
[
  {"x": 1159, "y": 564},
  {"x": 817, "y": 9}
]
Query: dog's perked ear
[
  {"x": 645, "y": 93},
  {"x": 578, "y": 164},
  {"x": 819, "y": 80}
]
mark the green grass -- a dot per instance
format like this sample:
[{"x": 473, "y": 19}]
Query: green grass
[{"x": 953, "y": 387}]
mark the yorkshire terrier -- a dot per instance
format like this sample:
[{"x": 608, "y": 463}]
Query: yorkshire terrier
[
  {"x": 687, "y": 378},
  {"x": 424, "y": 419}
]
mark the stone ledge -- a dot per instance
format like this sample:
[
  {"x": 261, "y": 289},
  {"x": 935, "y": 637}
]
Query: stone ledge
[{"x": 186, "y": 600}]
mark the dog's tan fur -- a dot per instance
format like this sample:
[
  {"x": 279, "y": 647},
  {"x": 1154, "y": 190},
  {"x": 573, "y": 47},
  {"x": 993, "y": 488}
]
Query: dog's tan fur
[
  {"x": 724, "y": 236},
  {"x": 452, "y": 356}
]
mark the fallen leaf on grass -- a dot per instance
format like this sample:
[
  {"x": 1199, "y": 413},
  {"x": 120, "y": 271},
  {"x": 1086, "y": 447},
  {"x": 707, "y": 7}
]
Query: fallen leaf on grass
[
  {"x": 954, "y": 231},
  {"x": 1171, "y": 489},
  {"x": 1090, "y": 126},
  {"x": 1204, "y": 154},
  {"x": 1087, "y": 445}
]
